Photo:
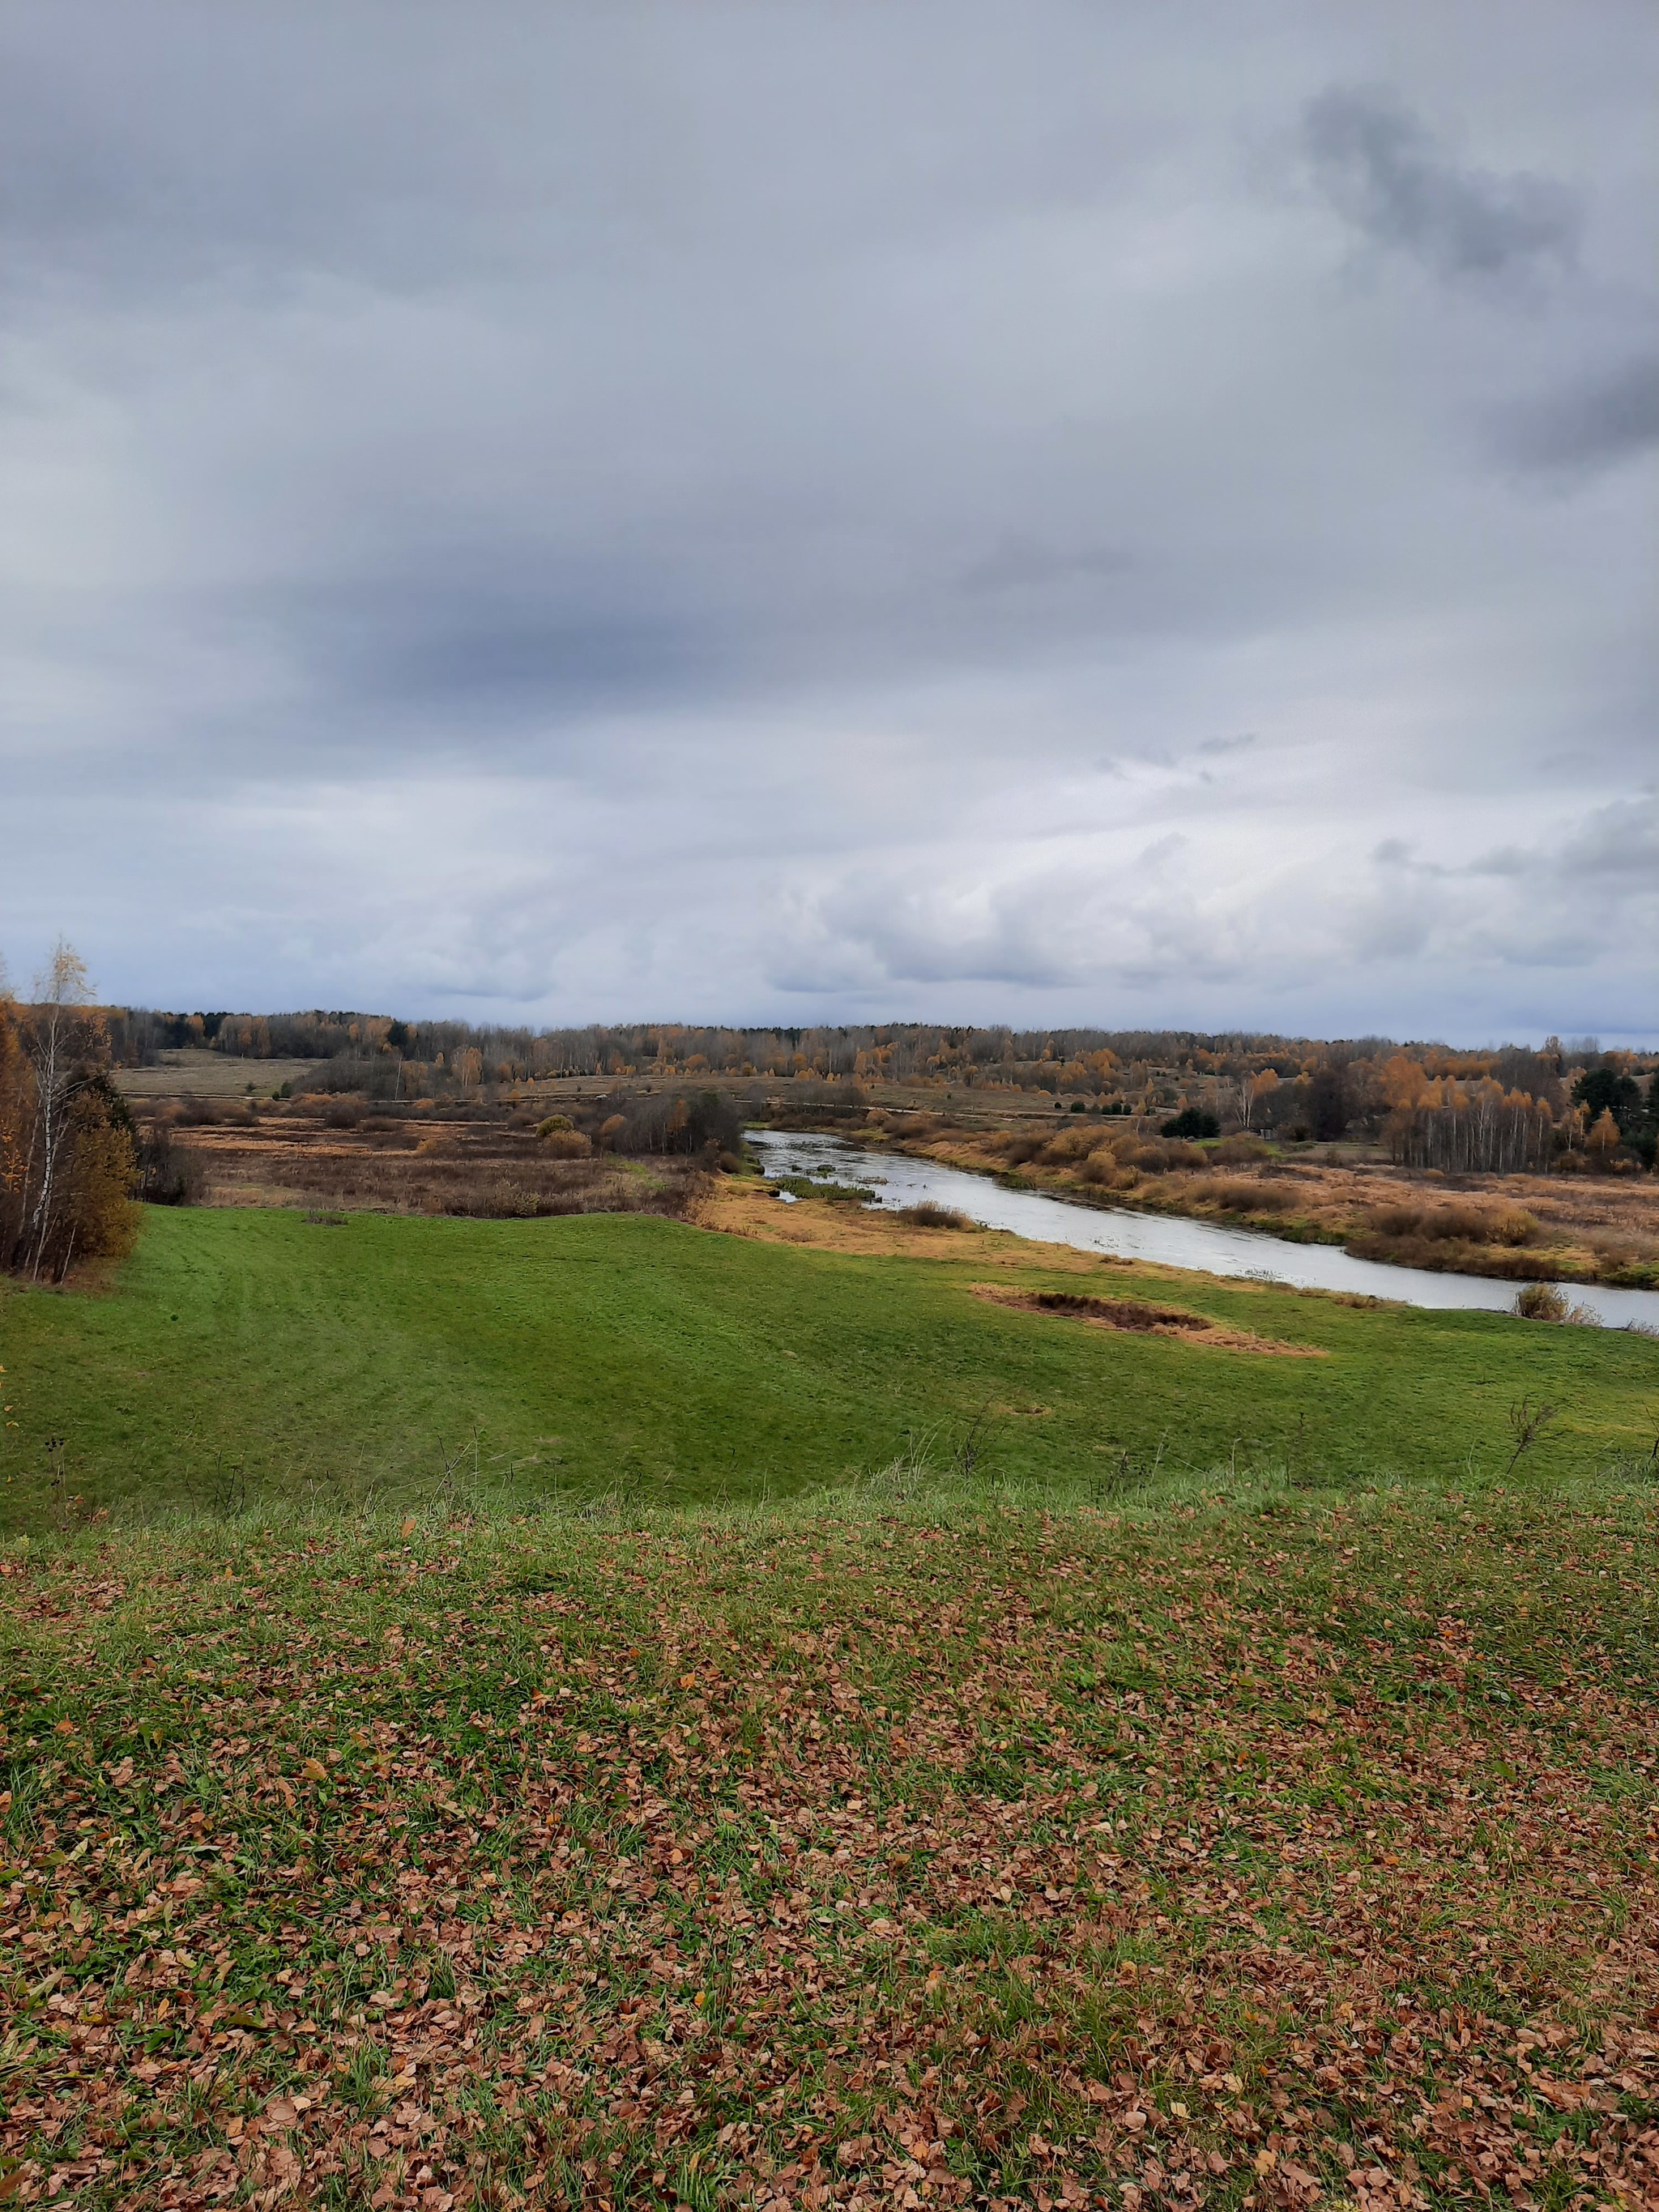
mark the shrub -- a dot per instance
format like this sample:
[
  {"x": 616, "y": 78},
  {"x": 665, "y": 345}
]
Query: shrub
[
  {"x": 566, "y": 1144},
  {"x": 1102, "y": 1172},
  {"x": 561, "y": 1139},
  {"x": 929, "y": 1214},
  {"x": 1071, "y": 1144},
  {"x": 1179, "y": 1158},
  {"x": 1240, "y": 1194},
  {"x": 1466, "y": 1224},
  {"x": 1130, "y": 1151},
  {"x": 168, "y": 1174},
  {"x": 1235, "y": 1152},
  {"x": 1192, "y": 1122},
  {"x": 1548, "y": 1302},
  {"x": 1515, "y": 1226}
]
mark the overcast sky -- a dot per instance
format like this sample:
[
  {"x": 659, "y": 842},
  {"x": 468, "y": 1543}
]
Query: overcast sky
[{"x": 1111, "y": 512}]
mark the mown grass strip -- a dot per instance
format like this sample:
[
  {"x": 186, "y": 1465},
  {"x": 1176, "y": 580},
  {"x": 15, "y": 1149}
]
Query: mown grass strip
[{"x": 245, "y": 1358}]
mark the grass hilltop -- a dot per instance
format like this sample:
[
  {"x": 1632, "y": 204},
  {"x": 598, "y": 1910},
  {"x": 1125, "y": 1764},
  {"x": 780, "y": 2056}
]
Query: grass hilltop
[
  {"x": 598, "y": 1712},
  {"x": 255, "y": 1356}
]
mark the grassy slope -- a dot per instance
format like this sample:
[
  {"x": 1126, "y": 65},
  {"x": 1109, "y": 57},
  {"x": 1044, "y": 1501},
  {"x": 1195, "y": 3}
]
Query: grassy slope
[
  {"x": 681, "y": 1365},
  {"x": 1266, "y": 1853}
]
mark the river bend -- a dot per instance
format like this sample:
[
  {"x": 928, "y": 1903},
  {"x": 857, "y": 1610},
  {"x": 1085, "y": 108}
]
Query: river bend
[{"x": 1171, "y": 1241}]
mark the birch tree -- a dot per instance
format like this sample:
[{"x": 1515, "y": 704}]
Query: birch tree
[{"x": 62, "y": 993}]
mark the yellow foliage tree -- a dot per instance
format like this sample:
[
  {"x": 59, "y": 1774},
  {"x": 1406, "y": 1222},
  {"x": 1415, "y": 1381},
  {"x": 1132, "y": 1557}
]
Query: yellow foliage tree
[
  {"x": 1604, "y": 1138},
  {"x": 66, "y": 1148}
]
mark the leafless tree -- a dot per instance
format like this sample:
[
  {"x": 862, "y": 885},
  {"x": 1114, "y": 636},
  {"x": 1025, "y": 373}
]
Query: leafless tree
[{"x": 61, "y": 991}]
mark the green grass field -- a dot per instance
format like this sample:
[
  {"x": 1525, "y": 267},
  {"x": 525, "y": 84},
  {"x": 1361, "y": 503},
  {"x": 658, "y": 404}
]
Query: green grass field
[
  {"x": 258, "y": 1356},
  {"x": 1234, "y": 1789}
]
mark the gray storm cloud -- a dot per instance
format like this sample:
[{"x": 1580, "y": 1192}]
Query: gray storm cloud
[
  {"x": 1384, "y": 172},
  {"x": 713, "y": 512}
]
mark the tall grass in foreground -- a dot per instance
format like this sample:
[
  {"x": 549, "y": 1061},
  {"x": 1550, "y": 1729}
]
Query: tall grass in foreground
[{"x": 945, "y": 1475}]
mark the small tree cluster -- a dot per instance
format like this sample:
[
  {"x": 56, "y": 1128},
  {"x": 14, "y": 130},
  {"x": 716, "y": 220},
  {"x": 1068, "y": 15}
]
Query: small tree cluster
[
  {"x": 678, "y": 1123},
  {"x": 1474, "y": 1128},
  {"x": 1615, "y": 1110},
  {"x": 66, "y": 1138},
  {"x": 1192, "y": 1122}
]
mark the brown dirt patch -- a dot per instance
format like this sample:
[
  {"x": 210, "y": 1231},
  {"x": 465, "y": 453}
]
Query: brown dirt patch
[{"x": 1137, "y": 1318}]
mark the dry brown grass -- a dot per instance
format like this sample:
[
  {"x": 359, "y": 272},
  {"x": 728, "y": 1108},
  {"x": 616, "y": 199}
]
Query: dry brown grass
[
  {"x": 487, "y": 1161},
  {"x": 1242, "y": 1194},
  {"x": 1577, "y": 1228},
  {"x": 210, "y": 1075},
  {"x": 741, "y": 1207}
]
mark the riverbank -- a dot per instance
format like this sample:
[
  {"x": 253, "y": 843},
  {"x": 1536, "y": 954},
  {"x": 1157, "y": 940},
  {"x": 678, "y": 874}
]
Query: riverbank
[
  {"x": 889, "y": 1187},
  {"x": 1567, "y": 1229}
]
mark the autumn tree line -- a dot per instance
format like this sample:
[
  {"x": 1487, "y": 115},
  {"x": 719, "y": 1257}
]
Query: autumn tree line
[
  {"x": 71, "y": 1162},
  {"x": 1513, "y": 1109}
]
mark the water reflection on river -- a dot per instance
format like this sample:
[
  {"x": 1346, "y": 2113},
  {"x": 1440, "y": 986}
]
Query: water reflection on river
[{"x": 897, "y": 1180}]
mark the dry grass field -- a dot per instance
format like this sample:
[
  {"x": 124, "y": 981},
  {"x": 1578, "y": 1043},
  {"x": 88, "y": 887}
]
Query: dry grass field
[
  {"x": 330, "y": 1151},
  {"x": 201, "y": 1074}
]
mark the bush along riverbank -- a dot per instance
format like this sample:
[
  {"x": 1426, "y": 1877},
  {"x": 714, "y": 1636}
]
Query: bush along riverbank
[{"x": 1572, "y": 1228}]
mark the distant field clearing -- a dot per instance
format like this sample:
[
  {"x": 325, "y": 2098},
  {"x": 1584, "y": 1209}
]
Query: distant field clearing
[{"x": 203, "y": 1074}]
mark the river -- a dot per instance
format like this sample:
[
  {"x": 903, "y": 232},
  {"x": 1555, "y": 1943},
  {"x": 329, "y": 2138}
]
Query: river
[{"x": 896, "y": 1180}]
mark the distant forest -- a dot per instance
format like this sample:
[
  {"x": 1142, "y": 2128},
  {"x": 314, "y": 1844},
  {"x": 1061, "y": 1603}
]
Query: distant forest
[{"x": 1435, "y": 1106}]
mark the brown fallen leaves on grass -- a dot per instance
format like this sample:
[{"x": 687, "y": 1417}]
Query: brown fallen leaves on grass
[{"x": 1263, "y": 1856}]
